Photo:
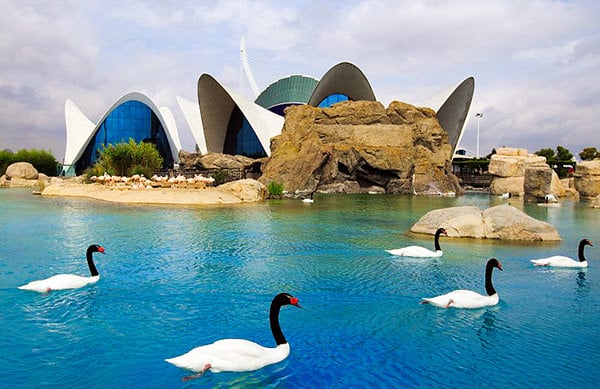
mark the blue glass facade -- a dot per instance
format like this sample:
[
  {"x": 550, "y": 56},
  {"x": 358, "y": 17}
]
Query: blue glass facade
[
  {"x": 332, "y": 99},
  {"x": 241, "y": 138},
  {"x": 130, "y": 120}
]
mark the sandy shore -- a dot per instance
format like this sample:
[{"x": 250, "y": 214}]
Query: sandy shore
[{"x": 237, "y": 192}]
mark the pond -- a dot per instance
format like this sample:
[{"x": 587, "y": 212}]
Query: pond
[{"x": 174, "y": 278}]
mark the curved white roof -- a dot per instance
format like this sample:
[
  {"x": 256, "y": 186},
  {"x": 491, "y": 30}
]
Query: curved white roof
[
  {"x": 452, "y": 109},
  {"x": 191, "y": 113},
  {"x": 217, "y": 104},
  {"x": 80, "y": 129},
  {"x": 344, "y": 78}
]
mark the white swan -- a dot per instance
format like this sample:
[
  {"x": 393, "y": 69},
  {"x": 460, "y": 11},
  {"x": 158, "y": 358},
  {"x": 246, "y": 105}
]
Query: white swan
[
  {"x": 239, "y": 354},
  {"x": 422, "y": 252},
  {"x": 466, "y": 298},
  {"x": 310, "y": 199},
  {"x": 562, "y": 261},
  {"x": 67, "y": 281}
]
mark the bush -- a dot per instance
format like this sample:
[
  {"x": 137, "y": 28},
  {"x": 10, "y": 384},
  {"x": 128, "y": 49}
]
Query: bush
[
  {"x": 42, "y": 160},
  {"x": 127, "y": 159},
  {"x": 275, "y": 189}
]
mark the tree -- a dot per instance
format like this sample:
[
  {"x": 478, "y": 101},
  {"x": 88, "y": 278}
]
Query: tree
[
  {"x": 589, "y": 153},
  {"x": 548, "y": 153},
  {"x": 563, "y": 154},
  {"x": 126, "y": 159}
]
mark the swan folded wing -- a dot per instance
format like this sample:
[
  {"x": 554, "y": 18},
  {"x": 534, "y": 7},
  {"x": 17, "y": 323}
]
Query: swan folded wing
[
  {"x": 230, "y": 355},
  {"x": 416, "y": 252},
  {"x": 559, "y": 261},
  {"x": 463, "y": 299},
  {"x": 59, "y": 282}
]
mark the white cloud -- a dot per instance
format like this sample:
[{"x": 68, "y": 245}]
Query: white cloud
[{"x": 536, "y": 64}]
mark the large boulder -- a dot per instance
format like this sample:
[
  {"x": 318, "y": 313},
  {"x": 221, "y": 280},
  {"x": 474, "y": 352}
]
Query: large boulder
[
  {"x": 23, "y": 170},
  {"x": 401, "y": 149},
  {"x": 500, "y": 222},
  {"x": 517, "y": 172},
  {"x": 587, "y": 179}
]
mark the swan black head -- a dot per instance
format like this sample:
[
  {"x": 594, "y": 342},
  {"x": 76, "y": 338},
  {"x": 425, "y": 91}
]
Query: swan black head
[
  {"x": 285, "y": 299},
  {"x": 493, "y": 262},
  {"x": 436, "y": 240},
  {"x": 582, "y": 244},
  {"x": 95, "y": 248},
  {"x": 278, "y": 301},
  {"x": 489, "y": 267}
]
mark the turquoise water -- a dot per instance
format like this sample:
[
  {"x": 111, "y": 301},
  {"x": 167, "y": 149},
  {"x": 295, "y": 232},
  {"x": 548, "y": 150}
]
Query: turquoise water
[{"x": 177, "y": 277}]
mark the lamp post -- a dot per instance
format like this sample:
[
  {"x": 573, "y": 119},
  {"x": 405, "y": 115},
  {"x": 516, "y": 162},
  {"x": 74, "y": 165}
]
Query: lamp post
[{"x": 478, "y": 115}]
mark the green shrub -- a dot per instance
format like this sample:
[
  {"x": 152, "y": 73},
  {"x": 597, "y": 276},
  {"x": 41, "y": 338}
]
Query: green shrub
[
  {"x": 221, "y": 176},
  {"x": 127, "y": 159},
  {"x": 275, "y": 189}
]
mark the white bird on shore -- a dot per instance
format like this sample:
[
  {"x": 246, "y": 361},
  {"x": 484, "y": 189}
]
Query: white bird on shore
[
  {"x": 67, "y": 281},
  {"x": 237, "y": 355},
  {"x": 468, "y": 299}
]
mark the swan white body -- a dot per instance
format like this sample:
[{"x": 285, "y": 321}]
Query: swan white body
[
  {"x": 416, "y": 252},
  {"x": 59, "y": 282},
  {"x": 231, "y": 355},
  {"x": 559, "y": 261},
  {"x": 468, "y": 299},
  {"x": 463, "y": 299},
  {"x": 563, "y": 261},
  {"x": 308, "y": 200},
  {"x": 237, "y": 355},
  {"x": 68, "y": 281},
  {"x": 422, "y": 252}
]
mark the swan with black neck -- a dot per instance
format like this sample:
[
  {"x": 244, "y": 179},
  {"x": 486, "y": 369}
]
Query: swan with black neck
[
  {"x": 422, "y": 252},
  {"x": 468, "y": 299},
  {"x": 68, "y": 281},
  {"x": 238, "y": 355},
  {"x": 563, "y": 261}
]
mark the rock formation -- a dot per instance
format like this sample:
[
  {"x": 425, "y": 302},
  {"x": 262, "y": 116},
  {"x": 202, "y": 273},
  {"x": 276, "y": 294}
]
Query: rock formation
[
  {"x": 587, "y": 179},
  {"x": 359, "y": 146},
  {"x": 519, "y": 173},
  {"x": 500, "y": 222},
  {"x": 23, "y": 175}
]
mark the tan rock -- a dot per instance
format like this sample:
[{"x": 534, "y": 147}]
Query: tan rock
[
  {"x": 500, "y": 222},
  {"x": 508, "y": 223},
  {"x": 587, "y": 179},
  {"x": 537, "y": 183},
  {"x": 465, "y": 221},
  {"x": 511, "y": 151},
  {"x": 23, "y": 170},
  {"x": 512, "y": 185},
  {"x": 402, "y": 149}
]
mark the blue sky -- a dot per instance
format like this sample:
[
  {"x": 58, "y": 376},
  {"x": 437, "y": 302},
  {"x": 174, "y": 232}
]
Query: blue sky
[{"x": 536, "y": 63}]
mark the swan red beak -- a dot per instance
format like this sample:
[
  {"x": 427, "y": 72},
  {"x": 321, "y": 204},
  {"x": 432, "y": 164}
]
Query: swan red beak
[
  {"x": 101, "y": 249},
  {"x": 294, "y": 302},
  {"x": 500, "y": 266}
]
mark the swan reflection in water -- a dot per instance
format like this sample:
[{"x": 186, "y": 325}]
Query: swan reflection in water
[
  {"x": 488, "y": 330},
  {"x": 582, "y": 288}
]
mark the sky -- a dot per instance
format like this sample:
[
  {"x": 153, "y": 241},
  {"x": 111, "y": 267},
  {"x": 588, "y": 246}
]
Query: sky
[{"x": 536, "y": 63}]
